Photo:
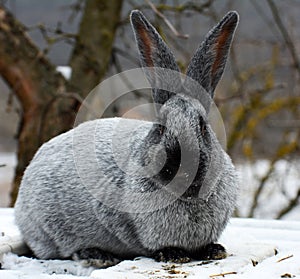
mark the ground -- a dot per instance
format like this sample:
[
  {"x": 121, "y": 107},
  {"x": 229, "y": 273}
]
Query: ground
[{"x": 257, "y": 249}]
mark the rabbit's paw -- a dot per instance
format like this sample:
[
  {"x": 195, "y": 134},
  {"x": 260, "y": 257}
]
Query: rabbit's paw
[
  {"x": 212, "y": 251},
  {"x": 171, "y": 254},
  {"x": 95, "y": 257}
]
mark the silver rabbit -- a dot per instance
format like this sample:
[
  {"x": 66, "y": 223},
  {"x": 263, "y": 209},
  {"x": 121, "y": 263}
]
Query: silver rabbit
[{"x": 100, "y": 193}]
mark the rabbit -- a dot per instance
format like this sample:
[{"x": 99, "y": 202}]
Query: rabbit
[{"x": 104, "y": 191}]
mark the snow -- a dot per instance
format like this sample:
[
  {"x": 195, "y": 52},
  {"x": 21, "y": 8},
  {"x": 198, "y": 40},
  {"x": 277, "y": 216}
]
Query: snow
[
  {"x": 66, "y": 71},
  {"x": 23, "y": 267},
  {"x": 251, "y": 244},
  {"x": 8, "y": 162}
]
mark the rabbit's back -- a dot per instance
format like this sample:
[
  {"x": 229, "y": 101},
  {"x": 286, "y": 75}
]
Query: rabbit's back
[{"x": 55, "y": 210}]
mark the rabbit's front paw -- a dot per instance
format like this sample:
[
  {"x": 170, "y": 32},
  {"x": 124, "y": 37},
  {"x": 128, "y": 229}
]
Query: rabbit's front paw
[
  {"x": 212, "y": 251},
  {"x": 95, "y": 257},
  {"x": 171, "y": 254}
]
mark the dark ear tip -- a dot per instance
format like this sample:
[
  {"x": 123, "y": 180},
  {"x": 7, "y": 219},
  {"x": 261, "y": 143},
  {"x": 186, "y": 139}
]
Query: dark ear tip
[
  {"x": 232, "y": 17},
  {"x": 136, "y": 15}
]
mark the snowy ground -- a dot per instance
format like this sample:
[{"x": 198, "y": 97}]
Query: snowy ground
[{"x": 257, "y": 248}]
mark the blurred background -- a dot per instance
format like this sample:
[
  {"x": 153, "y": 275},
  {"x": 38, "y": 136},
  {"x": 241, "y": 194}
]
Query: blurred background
[{"x": 53, "y": 53}]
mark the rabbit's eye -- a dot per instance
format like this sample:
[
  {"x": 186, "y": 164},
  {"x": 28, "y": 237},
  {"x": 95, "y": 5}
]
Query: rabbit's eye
[
  {"x": 161, "y": 129},
  {"x": 202, "y": 126},
  {"x": 203, "y": 129}
]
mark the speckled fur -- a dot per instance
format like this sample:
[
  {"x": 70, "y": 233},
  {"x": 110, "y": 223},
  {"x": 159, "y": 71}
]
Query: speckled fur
[{"x": 58, "y": 216}]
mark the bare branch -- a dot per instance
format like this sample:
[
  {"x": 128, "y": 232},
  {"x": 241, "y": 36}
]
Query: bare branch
[
  {"x": 169, "y": 24},
  {"x": 258, "y": 192},
  {"x": 126, "y": 55},
  {"x": 262, "y": 12},
  {"x": 52, "y": 36},
  {"x": 76, "y": 8},
  {"x": 128, "y": 83},
  {"x": 219, "y": 101},
  {"x": 189, "y": 6},
  {"x": 289, "y": 42},
  {"x": 291, "y": 205}
]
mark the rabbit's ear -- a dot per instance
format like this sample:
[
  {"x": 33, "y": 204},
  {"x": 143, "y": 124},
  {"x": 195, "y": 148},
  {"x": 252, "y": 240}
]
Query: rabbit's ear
[
  {"x": 207, "y": 65},
  {"x": 154, "y": 53}
]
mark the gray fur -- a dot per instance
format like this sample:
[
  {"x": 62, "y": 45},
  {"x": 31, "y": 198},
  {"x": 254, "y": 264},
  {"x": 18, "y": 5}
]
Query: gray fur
[
  {"x": 210, "y": 50},
  {"x": 154, "y": 52},
  {"x": 57, "y": 209}
]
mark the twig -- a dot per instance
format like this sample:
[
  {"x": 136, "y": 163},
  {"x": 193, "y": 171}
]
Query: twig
[
  {"x": 292, "y": 204},
  {"x": 76, "y": 8},
  {"x": 126, "y": 55},
  {"x": 226, "y": 99},
  {"x": 188, "y": 6},
  {"x": 285, "y": 258},
  {"x": 130, "y": 86},
  {"x": 289, "y": 43},
  {"x": 261, "y": 11},
  {"x": 259, "y": 189},
  {"x": 223, "y": 274},
  {"x": 67, "y": 95},
  {"x": 169, "y": 24},
  {"x": 283, "y": 150},
  {"x": 279, "y": 123},
  {"x": 58, "y": 34}
]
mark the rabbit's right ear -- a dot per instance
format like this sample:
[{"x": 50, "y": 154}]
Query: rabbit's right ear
[
  {"x": 208, "y": 63},
  {"x": 156, "y": 56}
]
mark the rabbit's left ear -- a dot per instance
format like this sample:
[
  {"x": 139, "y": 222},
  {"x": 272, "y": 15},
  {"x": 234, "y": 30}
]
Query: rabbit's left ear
[
  {"x": 207, "y": 65},
  {"x": 156, "y": 56}
]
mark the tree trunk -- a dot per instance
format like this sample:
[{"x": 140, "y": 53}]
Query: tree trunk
[
  {"x": 92, "y": 53},
  {"x": 35, "y": 82},
  {"x": 47, "y": 107}
]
